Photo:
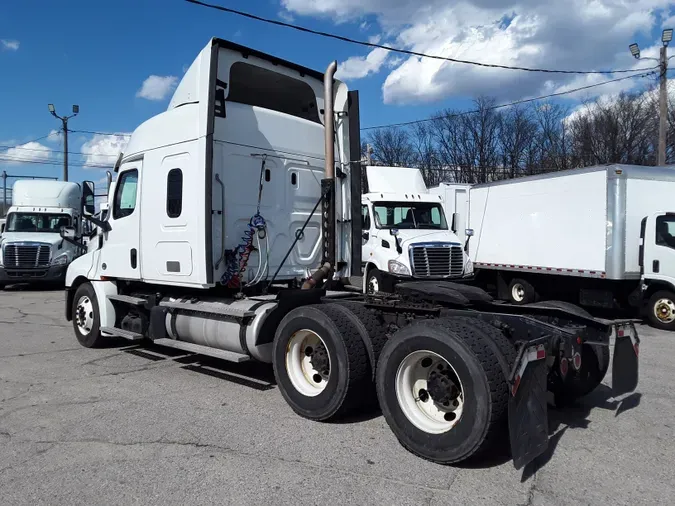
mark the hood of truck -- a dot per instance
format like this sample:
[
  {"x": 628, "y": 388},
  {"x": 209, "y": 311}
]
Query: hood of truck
[
  {"x": 412, "y": 237},
  {"x": 52, "y": 239}
]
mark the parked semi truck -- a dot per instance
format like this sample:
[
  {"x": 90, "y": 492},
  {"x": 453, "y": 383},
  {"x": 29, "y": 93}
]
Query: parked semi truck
[
  {"x": 600, "y": 236},
  {"x": 31, "y": 247},
  {"x": 405, "y": 232},
  {"x": 233, "y": 225}
]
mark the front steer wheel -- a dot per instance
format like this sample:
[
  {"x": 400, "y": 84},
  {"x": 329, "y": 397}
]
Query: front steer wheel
[
  {"x": 321, "y": 363},
  {"x": 86, "y": 319},
  {"x": 661, "y": 310},
  {"x": 442, "y": 390}
]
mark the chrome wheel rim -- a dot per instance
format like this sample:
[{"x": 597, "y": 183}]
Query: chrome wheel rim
[
  {"x": 429, "y": 392},
  {"x": 308, "y": 362},
  {"x": 84, "y": 315}
]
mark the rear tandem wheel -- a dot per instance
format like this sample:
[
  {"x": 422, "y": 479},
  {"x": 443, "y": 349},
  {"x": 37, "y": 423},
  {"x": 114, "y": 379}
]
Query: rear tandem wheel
[{"x": 442, "y": 390}]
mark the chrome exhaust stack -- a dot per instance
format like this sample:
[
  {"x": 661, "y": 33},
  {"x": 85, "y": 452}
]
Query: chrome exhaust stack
[{"x": 327, "y": 185}]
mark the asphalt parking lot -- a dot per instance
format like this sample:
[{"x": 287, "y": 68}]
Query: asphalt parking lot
[{"x": 130, "y": 425}]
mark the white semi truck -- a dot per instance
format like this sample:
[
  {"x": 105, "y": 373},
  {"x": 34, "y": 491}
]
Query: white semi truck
[
  {"x": 600, "y": 236},
  {"x": 232, "y": 226},
  {"x": 405, "y": 232},
  {"x": 31, "y": 248}
]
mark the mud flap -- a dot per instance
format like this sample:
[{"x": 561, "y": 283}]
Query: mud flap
[
  {"x": 528, "y": 413},
  {"x": 625, "y": 362}
]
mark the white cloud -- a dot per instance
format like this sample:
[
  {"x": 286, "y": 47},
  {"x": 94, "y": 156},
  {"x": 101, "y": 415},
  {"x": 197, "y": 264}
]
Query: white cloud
[
  {"x": 357, "y": 67},
  {"x": 26, "y": 153},
  {"x": 54, "y": 136},
  {"x": 103, "y": 149},
  {"x": 286, "y": 16},
  {"x": 10, "y": 45},
  {"x": 157, "y": 87},
  {"x": 577, "y": 34}
]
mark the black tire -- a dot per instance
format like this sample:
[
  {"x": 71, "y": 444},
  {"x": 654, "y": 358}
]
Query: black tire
[
  {"x": 529, "y": 294},
  {"x": 653, "y": 308},
  {"x": 464, "y": 343},
  {"x": 93, "y": 338},
  {"x": 349, "y": 383},
  {"x": 594, "y": 363},
  {"x": 377, "y": 276},
  {"x": 372, "y": 329}
]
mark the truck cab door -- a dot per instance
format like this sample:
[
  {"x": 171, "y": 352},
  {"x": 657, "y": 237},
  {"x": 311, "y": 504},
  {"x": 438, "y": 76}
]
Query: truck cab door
[
  {"x": 658, "y": 248},
  {"x": 368, "y": 235},
  {"x": 120, "y": 252}
]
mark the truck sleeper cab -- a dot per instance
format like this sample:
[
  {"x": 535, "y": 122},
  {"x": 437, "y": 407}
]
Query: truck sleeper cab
[{"x": 247, "y": 194}]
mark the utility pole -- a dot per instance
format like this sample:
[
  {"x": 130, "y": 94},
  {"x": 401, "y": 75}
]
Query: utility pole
[
  {"x": 64, "y": 121},
  {"x": 666, "y": 37},
  {"x": 4, "y": 192},
  {"x": 663, "y": 104}
]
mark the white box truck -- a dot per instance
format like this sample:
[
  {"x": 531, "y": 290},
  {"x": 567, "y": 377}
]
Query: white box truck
[
  {"x": 31, "y": 248},
  {"x": 599, "y": 236},
  {"x": 405, "y": 232},
  {"x": 233, "y": 226}
]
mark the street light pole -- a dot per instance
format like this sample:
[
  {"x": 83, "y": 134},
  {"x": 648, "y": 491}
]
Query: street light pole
[
  {"x": 666, "y": 37},
  {"x": 64, "y": 121},
  {"x": 663, "y": 104}
]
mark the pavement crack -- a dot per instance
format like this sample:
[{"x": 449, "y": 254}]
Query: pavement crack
[{"x": 226, "y": 449}]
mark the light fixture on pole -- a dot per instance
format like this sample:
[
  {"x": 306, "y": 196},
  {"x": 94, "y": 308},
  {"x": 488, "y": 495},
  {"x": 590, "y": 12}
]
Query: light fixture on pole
[
  {"x": 64, "y": 121},
  {"x": 666, "y": 37}
]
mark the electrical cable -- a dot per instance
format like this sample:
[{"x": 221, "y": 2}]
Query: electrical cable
[
  {"x": 298, "y": 234},
  {"x": 19, "y": 147},
  {"x": 510, "y": 104},
  {"x": 119, "y": 134},
  {"x": 403, "y": 51},
  {"x": 44, "y": 162}
]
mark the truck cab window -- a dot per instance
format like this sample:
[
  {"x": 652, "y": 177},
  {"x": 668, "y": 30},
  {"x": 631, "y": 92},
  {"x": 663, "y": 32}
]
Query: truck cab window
[
  {"x": 420, "y": 215},
  {"x": 37, "y": 222},
  {"x": 174, "y": 193},
  {"x": 252, "y": 85},
  {"x": 125, "y": 194},
  {"x": 665, "y": 231},
  {"x": 365, "y": 218}
]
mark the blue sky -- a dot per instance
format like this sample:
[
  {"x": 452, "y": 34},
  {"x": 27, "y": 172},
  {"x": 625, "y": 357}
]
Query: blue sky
[{"x": 99, "y": 54}]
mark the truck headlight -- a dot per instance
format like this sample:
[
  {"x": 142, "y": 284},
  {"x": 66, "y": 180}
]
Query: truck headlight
[
  {"x": 60, "y": 260},
  {"x": 398, "y": 268},
  {"x": 468, "y": 267}
]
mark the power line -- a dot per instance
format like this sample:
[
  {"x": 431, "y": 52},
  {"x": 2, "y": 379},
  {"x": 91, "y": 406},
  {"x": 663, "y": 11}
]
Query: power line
[
  {"x": 119, "y": 134},
  {"x": 52, "y": 151},
  {"x": 45, "y": 162},
  {"x": 510, "y": 104},
  {"x": 405, "y": 51},
  {"x": 28, "y": 142}
]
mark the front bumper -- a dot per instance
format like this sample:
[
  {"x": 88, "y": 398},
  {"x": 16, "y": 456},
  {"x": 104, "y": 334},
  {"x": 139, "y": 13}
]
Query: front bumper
[{"x": 52, "y": 274}]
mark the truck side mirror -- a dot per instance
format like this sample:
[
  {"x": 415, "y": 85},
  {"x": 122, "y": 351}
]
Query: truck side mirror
[
  {"x": 88, "y": 204},
  {"x": 469, "y": 232},
  {"x": 455, "y": 220},
  {"x": 68, "y": 232}
]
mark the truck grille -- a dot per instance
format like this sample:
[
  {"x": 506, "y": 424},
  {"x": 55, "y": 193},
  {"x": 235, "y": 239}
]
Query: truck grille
[
  {"x": 25, "y": 256},
  {"x": 437, "y": 261}
]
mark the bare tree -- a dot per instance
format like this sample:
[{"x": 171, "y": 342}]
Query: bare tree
[{"x": 391, "y": 146}]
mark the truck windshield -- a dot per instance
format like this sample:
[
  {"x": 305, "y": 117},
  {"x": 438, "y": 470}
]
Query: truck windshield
[
  {"x": 37, "y": 222},
  {"x": 406, "y": 215}
]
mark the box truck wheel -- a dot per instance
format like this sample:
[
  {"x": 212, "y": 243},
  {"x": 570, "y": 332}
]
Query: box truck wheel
[
  {"x": 377, "y": 281},
  {"x": 521, "y": 292},
  {"x": 321, "y": 363},
  {"x": 441, "y": 389},
  {"x": 661, "y": 310},
  {"x": 86, "y": 319}
]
